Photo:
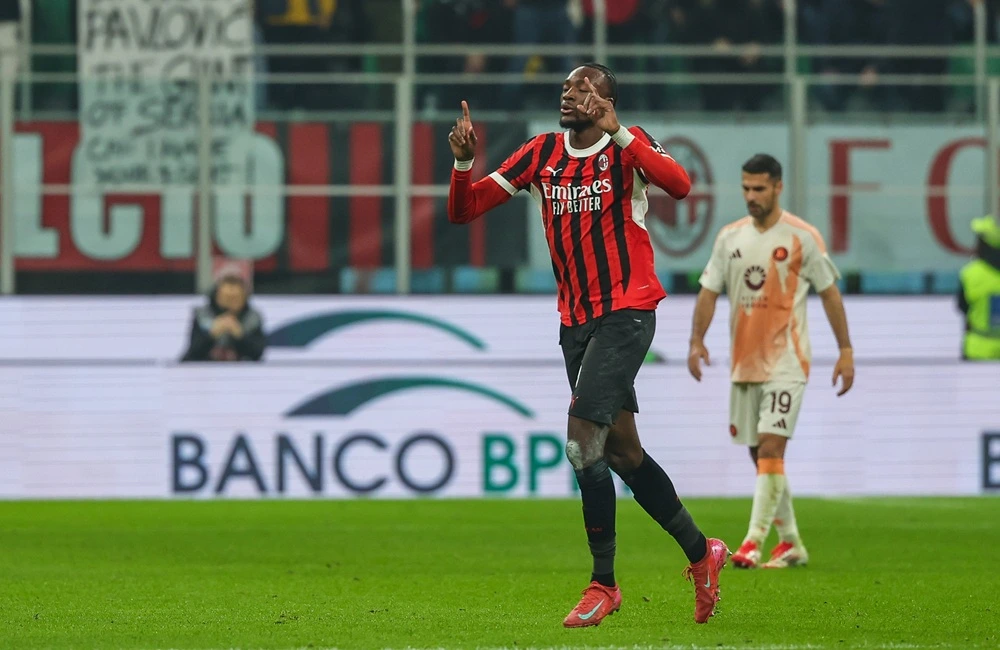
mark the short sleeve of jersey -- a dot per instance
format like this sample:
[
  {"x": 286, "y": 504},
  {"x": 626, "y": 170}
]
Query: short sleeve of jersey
[
  {"x": 643, "y": 135},
  {"x": 817, "y": 267},
  {"x": 517, "y": 172},
  {"x": 713, "y": 277}
]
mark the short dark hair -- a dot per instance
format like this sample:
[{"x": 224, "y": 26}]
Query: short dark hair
[
  {"x": 762, "y": 163},
  {"x": 609, "y": 75}
]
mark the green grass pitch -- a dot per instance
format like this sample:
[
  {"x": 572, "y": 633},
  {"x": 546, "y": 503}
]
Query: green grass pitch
[{"x": 889, "y": 573}]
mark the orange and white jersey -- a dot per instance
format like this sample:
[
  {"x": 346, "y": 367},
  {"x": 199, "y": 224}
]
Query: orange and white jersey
[{"x": 767, "y": 277}]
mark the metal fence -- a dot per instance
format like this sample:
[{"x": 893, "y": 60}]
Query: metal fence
[{"x": 793, "y": 110}]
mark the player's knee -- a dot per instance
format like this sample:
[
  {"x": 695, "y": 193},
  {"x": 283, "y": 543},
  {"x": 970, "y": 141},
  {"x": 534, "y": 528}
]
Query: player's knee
[
  {"x": 583, "y": 454},
  {"x": 574, "y": 452},
  {"x": 771, "y": 446}
]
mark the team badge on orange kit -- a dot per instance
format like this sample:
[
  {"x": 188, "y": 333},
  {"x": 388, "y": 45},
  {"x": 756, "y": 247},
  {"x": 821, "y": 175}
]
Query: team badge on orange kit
[{"x": 781, "y": 253}]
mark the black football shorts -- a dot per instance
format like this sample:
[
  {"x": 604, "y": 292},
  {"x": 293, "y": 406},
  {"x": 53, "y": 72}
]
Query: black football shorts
[{"x": 603, "y": 357}]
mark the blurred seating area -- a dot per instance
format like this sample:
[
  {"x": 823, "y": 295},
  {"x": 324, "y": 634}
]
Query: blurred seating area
[
  {"x": 328, "y": 125},
  {"x": 734, "y": 30}
]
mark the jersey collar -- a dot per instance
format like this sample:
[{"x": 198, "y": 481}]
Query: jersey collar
[{"x": 589, "y": 151}]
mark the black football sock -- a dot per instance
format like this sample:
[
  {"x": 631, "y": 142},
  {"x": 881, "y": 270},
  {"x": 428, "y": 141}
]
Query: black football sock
[
  {"x": 598, "y": 493},
  {"x": 654, "y": 491}
]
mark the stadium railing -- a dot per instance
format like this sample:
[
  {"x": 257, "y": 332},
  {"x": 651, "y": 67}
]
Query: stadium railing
[{"x": 389, "y": 108}]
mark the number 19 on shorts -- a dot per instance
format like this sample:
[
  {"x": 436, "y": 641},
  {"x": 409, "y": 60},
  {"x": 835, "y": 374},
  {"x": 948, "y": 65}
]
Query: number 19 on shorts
[{"x": 770, "y": 407}]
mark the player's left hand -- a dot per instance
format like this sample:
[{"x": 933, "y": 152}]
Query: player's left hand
[
  {"x": 599, "y": 109},
  {"x": 844, "y": 370}
]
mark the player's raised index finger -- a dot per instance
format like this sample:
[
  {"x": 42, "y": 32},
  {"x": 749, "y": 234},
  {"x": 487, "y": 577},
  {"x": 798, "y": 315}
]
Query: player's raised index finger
[
  {"x": 590, "y": 86},
  {"x": 465, "y": 111}
]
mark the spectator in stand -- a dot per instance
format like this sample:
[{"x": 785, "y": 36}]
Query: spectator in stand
[
  {"x": 462, "y": 21},
  {"x": 538, "y": 22},
  {"x": 312, "y": 22},
  {"x": 739, "y": 28},
  {"x": 852, "y": 22},
  {"x": 634, "y": 22},
  {"x": 963, "y": 30},
  {"x": 921, "y": 22},
  {"x": 963, "y": 20},
  {"x": 660, "y": 18},
  {"x": 227, "y": 328}
]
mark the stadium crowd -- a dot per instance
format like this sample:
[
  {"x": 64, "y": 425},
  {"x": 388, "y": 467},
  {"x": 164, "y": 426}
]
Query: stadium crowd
[{"x": 738, "y": 27}]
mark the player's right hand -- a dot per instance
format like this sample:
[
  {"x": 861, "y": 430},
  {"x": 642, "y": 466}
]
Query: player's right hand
[
  {"x": 696, "y": 355},
  {"x": 462, "y": 138}
]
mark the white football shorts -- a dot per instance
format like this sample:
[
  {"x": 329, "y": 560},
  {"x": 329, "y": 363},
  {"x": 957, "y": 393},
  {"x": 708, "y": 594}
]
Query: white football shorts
[{"x": 769, "y": 407}]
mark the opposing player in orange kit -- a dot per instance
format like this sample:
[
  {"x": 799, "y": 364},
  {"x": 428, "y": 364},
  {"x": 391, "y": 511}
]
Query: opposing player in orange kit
[{"x": 766, "y": 263}]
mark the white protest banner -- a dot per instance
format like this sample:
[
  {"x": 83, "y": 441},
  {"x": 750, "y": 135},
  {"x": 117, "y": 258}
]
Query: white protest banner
[{"x": 139, "y": 65}]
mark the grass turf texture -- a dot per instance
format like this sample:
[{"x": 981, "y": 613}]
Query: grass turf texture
[{"x": 918, "y": 573}]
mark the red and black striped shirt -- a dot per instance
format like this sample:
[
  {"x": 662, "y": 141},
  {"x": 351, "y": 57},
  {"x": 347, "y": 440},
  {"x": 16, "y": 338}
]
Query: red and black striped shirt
[{"x": 593, "y": 205}]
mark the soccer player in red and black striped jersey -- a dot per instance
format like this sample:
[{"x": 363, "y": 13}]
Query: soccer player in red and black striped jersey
[{"x": 590, "y": 184}]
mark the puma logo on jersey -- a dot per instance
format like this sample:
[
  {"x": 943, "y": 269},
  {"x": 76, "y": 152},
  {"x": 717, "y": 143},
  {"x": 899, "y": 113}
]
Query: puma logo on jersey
[{"x": 553, "y": 170}]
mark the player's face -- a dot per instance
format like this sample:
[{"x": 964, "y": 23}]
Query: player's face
[
  {"x": 573, "y": 93},
  {"x": 761, "y": 193}
]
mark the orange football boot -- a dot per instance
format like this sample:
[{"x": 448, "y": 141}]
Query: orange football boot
[{"x": 598, "y": 601}]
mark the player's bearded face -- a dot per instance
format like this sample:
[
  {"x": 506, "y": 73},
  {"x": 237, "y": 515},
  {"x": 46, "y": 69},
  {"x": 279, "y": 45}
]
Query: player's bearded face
[
  {"x": 761, "y": 194},
  {"x": 761, "y": 205}
]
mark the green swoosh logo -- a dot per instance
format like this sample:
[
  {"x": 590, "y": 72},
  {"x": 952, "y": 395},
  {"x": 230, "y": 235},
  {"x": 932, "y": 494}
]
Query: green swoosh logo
[
  {"x": 347, "y": 399},
  {"x": 300, "y": 333}
]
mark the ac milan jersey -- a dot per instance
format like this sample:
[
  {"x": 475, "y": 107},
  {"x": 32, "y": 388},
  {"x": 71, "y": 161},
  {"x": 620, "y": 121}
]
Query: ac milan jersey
[{"x": 593, "y": 206}]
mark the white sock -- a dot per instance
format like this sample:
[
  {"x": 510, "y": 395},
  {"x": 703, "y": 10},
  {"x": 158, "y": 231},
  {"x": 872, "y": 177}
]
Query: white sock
[
  {"x": 771, "y": 485},
  {"x": 784, "y": 518}
]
